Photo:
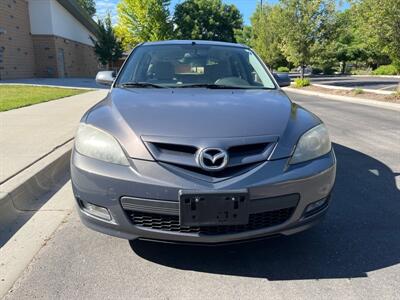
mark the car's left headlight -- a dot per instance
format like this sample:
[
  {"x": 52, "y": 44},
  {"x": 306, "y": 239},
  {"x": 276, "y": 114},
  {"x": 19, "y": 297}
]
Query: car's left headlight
[
  {"x": 93, "y": 142},
  {"x": 312, "y": 144}
]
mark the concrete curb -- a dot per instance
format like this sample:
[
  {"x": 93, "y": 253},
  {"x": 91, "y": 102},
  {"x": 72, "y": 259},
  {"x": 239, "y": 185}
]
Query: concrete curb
[
  {"x": 333, "y": 87},
  {"x": 38, "y": 228},
  {"x": 24, "y": 192},
  {"x": 369, "y": 102}
]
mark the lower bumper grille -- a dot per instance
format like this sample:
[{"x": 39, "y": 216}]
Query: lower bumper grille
[{"x": 171, "y": 223}]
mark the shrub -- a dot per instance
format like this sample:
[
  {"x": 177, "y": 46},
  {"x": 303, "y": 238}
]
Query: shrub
[
  {"x": 358, "y": 91},
  {"x": 328, "y": 70},
  {"x": 298, "y": 82},
  {"x": 395, "y": 96},
  {"x": 386, "y": 70},
  {"x": 283, "y": 69},
  {"x": 316, "y": 70}
]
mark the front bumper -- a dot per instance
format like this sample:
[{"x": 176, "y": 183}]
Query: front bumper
[{"x": 272, "y": 186}]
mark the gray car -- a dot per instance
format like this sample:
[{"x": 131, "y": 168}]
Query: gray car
[{"x": 197, "y": 143}]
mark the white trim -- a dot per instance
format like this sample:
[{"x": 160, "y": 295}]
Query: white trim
[
  {"x": 48, "y": 17},
  {"x": 378, "y": 76}
]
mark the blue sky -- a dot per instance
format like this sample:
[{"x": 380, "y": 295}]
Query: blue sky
[{"x": 246, "y": 7}]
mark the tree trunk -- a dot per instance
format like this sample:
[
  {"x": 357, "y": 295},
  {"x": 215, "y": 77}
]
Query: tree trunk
[
  {"x": 302, "y": 71},
  {"x": 343, "y": 67},
  {"x": 110, "y": 65}
]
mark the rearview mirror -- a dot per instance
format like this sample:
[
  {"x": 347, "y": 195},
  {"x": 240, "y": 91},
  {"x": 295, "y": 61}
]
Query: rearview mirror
[
  {"x": 105, "y": 77},
  {"x": 282, "y": 79}
]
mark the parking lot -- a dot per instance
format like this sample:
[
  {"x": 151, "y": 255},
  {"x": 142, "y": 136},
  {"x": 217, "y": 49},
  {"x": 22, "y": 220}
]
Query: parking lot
[{"x": 354, "y": 253}]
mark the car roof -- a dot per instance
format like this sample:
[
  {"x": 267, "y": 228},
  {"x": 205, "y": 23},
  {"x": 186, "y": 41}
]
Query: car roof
[{"x": 198, "y": 42}]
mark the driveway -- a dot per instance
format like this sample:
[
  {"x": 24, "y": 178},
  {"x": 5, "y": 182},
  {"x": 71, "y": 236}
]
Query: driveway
[{"x": 353, "y": 254}]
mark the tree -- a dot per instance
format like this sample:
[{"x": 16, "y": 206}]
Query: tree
[
  {"x": 207, "y": 20},
  {"x": 143, "y": 20},
  {"x": 378, "y": 23},
  {"x": 89, "y": 6},
  {"x": 266, "y": 39},
  {"x": 302, "y": 25},
  {"x": 342, "y": 46},
  {"x": 244, "y": 35},
  {"x": 107, "y": 47}
]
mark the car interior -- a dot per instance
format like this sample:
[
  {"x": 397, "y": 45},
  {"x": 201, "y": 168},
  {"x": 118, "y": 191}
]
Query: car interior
[{"x": 200, "y": 66}]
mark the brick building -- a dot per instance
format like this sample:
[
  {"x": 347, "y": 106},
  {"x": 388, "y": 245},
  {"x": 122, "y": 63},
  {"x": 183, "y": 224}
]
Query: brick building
[{"x": 45, "y": 38}]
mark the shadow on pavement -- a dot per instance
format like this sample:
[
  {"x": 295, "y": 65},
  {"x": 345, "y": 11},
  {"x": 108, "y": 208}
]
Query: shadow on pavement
[{"x": 361, "y": 233}]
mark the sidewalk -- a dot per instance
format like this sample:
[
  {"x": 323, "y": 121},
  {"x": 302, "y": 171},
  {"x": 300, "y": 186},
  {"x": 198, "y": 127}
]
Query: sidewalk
[
  {"x": 29, "y": 133},
  {"x": 76, "y": 83}
]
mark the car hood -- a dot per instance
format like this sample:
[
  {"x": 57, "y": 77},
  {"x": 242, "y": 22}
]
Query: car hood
[
  {"x": 203, "y": 112},
  {"x": 131, "y": 114}
]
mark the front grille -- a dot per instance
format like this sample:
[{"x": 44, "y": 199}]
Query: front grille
[
  {"x": 247, "y": 150},
  {"x": 171, "y": 223},
  {"x": 242, "y": 157},
  {"x": 178, "y": 149},
  {"x": 234, "y": 151}
]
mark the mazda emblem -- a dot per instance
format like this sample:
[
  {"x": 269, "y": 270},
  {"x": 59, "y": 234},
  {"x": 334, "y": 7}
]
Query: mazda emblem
[{"x": 212, "y": 159}]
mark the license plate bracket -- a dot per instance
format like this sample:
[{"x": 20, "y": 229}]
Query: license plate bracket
[{"x": 213, "y": 208}]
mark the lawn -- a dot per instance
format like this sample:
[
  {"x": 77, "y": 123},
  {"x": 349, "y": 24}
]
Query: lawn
[{"x": 16, "y": 96}]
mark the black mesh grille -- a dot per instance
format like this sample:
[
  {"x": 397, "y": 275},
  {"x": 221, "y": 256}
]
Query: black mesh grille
[
  {"x": 171, "y": 223},
  {"x": 247, "y": 150},
  {"x": 175, "y": 148}
]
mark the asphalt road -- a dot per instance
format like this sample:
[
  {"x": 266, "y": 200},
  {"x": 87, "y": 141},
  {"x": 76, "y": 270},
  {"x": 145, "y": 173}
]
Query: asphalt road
[
  {"x": 384, "y": 84},
  {"x": 353, "y": 254}
]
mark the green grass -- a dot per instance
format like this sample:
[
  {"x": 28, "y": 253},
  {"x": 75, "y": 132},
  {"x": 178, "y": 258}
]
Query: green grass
[
  {"x": 299, "y": 83},
  {"x": 361, "y": 72},
  {"x": 358, "y": 91},
  {"x": 16, "y": 96}
]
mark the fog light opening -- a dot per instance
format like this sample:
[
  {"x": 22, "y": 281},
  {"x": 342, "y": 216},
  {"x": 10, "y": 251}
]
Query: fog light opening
[
  {"x": 94, "y": 210},
  {"x": 315, "y": 207}
]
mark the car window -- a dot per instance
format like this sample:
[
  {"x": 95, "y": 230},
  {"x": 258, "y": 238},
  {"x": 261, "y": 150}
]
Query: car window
[{"x": 185, "y": 65}]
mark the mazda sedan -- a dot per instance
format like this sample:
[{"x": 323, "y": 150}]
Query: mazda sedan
[{"x": 196, "y": 142}]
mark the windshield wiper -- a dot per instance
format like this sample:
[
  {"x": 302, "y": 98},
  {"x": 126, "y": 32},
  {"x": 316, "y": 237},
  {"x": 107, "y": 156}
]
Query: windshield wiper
[
  {"x": 209, "y": 86},
  {"x": 141, "y": 85},
  {"x": 217, "y": 86}
]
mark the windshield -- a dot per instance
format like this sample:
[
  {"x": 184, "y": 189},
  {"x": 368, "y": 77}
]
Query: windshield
[{"x": 178, "y": 66}]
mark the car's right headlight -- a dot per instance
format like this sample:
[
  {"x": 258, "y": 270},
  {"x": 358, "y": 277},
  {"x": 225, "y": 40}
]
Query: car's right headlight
[
  {"x": 93, "y": 142},
  {"x": 312, "y": 144}
]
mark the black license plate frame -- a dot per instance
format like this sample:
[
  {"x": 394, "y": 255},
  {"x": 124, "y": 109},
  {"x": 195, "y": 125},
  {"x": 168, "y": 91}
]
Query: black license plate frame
[{"x": 213, "y": 208}]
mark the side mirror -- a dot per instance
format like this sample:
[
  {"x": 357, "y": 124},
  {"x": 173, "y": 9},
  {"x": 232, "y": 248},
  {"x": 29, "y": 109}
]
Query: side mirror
[
  {"x": 105, "y": 77},
  {"x": 282, "y": 79}
]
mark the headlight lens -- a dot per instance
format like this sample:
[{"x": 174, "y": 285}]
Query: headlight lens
[
  {"x": 312, "y": 144},
  {"x": 98, "y": 144}
]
